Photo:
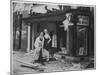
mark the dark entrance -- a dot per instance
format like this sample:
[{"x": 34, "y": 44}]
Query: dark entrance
[
  {"x": 61, "y": 37},
  {"x": 82, "y": 40}
]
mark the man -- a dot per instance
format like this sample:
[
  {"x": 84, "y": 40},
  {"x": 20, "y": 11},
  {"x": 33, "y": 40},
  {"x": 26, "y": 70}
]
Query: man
[{"x": 38, "y": 49}]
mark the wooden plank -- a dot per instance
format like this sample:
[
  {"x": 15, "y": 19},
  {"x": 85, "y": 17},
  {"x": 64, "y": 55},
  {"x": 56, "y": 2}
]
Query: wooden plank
[{"x": 27, "y": 63}]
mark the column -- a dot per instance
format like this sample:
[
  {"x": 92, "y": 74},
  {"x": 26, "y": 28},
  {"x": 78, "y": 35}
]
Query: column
[
  {"x": 20, "y": 29},
  {"x": 54, "y": 41},
  {"x": 67, "y": 41},
  {"x": 28, "y": 39}
]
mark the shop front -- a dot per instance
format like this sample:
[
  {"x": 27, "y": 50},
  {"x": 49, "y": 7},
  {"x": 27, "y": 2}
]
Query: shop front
[{"x": 76, "y": 39}]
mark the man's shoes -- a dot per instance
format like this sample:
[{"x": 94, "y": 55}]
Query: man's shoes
[
  {"x": 36, "y": 61},
  {"x": 42, "y": 63}
]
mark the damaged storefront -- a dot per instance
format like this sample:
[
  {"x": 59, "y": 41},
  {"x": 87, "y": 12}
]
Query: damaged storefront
[{"x": 70, "y": 29}]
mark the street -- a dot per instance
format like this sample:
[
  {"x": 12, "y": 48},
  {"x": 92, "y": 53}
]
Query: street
[{"x": 60, "y": 64}]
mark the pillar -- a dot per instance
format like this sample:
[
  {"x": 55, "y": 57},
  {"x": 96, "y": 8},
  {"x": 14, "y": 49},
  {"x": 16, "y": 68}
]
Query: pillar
[
  {"x": 28, "y": 39},
  {"x": 20, "y": 29},
  {"x": 33, "y": 33},
  {"x": 54, "y": 40},
  {"x": 67, "y": 41}
]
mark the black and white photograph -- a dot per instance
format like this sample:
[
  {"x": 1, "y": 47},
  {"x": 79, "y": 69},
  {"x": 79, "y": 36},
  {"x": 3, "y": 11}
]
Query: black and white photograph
[{"x": 52, "y": 37}]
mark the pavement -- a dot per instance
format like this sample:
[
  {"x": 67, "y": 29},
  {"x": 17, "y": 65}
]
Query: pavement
[{"x": 22, "y": 63}]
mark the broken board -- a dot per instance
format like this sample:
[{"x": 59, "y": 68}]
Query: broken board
[
  {"x": 28, "y": 63},
  {"x": 35, "y": 66}
]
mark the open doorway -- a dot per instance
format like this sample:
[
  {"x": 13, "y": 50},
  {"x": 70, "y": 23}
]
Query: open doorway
[{"x": 61, "y": 37}]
